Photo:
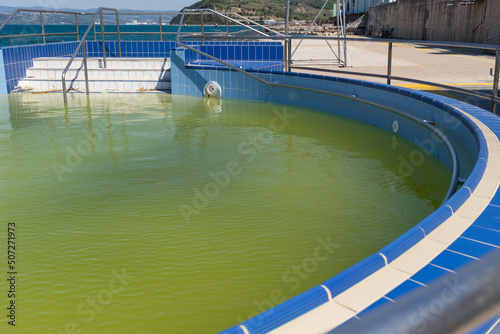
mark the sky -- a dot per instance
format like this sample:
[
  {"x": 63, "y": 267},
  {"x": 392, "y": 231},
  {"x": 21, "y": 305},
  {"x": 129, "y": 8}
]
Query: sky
[{"x": 86, "y": 4}]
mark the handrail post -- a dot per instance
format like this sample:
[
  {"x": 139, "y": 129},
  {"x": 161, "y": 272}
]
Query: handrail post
[
  {"x": 118, "y": 33},
  {"x": 285, "y": 54},
  {"x": 43, "y": 27},
  {"x": 95, "y": 33},
  {"x": 289, "y": 55},
  {"x": 227, "y": 27},
  {"x": 495, "y": 83},
  {"x": 65, "y": 93},
  {"x": 77, "y": 28},
  {"x": 202, "y": 29},
  {"x": 84, "y": 51},
  {"x": 102, "y": 39},
  {"x": 389, "y": 63},
  {"x": 161, "y": 31}
]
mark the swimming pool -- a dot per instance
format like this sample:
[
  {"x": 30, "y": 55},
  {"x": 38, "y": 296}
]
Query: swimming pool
[
  {"x": 191, "y": 200},
  {"x": 448, "y": 237}
]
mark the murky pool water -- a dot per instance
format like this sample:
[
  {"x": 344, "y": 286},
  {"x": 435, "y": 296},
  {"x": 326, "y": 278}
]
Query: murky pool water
[{"x": 149, "y": 213}]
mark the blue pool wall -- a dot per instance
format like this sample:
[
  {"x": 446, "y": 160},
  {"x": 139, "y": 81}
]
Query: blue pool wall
[
  {"x": 190, "y": 80},
  {"x": 3, "y": 80},
  {"x": 17, "y": 59},
  {"x": 370, "y": 103}
]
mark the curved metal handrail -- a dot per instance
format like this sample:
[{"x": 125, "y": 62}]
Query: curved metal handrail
[
  {"x": 223, "y": 15},
  {"x": 494, "y": 98},
  {"x": 82, "y": 45},
  {"x": 453, "y": 155}
]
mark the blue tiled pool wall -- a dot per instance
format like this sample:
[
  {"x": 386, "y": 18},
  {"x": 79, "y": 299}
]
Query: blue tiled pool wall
[
  {"x": 19, "y": 58},
  {"x": 249, "y": 55},
  {"x": 16, "y": 59},
  {"x": 238, "y": 51},
  {"x": 190, "y": 80},
  {"x": 3, "y": 81},
  {"x": 465, "y": 136}
]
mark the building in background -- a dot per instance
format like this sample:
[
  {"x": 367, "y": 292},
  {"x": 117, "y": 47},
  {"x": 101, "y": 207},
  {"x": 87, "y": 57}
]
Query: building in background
[{"x": 362, "y": 6}]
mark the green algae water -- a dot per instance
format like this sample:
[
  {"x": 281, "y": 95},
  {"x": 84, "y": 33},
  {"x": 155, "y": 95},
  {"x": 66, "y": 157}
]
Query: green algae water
[{"x": 151, "y": 213}]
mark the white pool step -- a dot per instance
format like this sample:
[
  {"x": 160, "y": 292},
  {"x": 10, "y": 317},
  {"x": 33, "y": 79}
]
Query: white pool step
[
  {"x": 120, "y": 74},
  {"x": 111, "y": 63},
  {"x": 41, "y": 84}
]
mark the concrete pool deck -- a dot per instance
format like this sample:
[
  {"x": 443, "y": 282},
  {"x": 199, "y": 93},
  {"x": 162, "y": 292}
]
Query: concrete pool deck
[{"x": 463, "y": 68}]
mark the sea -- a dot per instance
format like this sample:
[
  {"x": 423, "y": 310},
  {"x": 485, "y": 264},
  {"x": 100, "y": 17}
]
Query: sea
[{"x": 143, "y": 32}]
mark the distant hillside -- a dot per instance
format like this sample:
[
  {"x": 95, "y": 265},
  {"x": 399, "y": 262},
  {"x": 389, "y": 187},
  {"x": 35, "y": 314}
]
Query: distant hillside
[{"x": 259, "y": 9}]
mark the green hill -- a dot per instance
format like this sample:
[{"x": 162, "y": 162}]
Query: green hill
[{"x": 262, "y": 9}]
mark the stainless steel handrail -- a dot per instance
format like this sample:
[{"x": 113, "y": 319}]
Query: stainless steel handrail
[
  {"x": 229, "y": 19},
  {"x": 82, "y": 45},
  {"x": 493, "y": 97},
  {"x": 455, "y": 165}
]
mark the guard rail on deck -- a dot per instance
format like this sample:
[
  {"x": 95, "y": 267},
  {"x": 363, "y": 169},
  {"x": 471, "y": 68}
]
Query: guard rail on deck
[
  {"x": 455, "y": 166},
  {"x": 287, "y": 39}
]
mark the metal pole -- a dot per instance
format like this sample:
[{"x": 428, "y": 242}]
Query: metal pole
[
  {"x": 227, "y": 27},
  {"x": 202, "y": 29},
  {"x": 337, "y": 10},
  {"x": 118, "y": 33},
  {"x": 84, "y": 51},
  {"x": 389, "y": 63},
  {"x": 289, "y": 55},
  {"x": 102, "y": 39},
  {"x": 475, "y": 298},
  {"x": 65, "y": 94},
  {"x": 77, "y": 28},
  {"x": 345, "y": 33},
  {"x": 287, "y": 44},
  {"x": 285, "y": 54},
  {"x": 161, "y": 31},
  {"x": 287, "y": 17},
  {"x": 43, "y": 27},
  {"x": 95, "y": 33},
  {"x": 495, "y": 83}
]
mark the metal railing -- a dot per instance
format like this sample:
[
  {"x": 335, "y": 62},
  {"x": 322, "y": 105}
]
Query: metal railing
[
  {"x": 388, "y": 76},
  {"x": 488, "y": 37},
  {"x": 43, "y": 34},
  {"x": 465, "y": 299},
  {"x": 455, "y": 165},
  {"x": 82, "y": 45}
]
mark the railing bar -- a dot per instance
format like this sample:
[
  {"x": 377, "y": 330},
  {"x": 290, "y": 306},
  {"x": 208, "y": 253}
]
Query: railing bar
[
  {"x": 373, "y": 40},
  {"x": 9, "y": 18},
  {"x": 39, "y": 35},
  {"x": 389, "y": 63},
  {"x": 43, "y": 27},
  {"x": 63, "y": 76},
  {"x": 118, "y": 34},
  {"x": 455, "y": 167},
  {"x": 428, "y": 83},
  {"x": 494, "y": 95},
  {"x": 77, "y": 28},
  {"x": 103, "y": 43},
  {"x": 255, "y": 23},
  {"x": 161, "y": 30},
  {"x": 84, "y": 51}
]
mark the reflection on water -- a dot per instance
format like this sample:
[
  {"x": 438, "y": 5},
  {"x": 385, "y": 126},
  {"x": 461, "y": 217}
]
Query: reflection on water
[{"x": 152, "y": 213}]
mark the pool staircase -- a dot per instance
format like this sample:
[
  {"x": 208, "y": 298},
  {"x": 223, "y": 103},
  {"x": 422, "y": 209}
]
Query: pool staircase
[{"x": 120, "y": 74}]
